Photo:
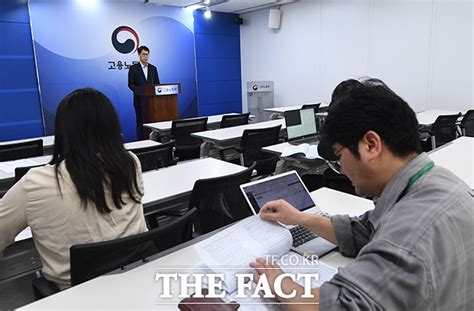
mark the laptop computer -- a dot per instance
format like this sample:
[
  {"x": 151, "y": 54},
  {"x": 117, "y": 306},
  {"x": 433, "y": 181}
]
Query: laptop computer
[
  {"x": 289, "y": 187},
  {"x": 301, "y": 126}
]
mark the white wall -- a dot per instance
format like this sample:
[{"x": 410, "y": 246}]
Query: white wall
[{"x": 423, "y": 49}]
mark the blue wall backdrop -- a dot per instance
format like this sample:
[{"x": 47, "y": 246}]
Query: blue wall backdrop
[
  {"x": 20, "y": 111},
  {"x": 74, "y": 49},
  {"x": 218, "y": 63},
  {"x": 80, "y": 52}
]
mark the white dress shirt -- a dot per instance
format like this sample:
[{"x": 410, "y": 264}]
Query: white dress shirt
[{"x": 145, "y": 70}]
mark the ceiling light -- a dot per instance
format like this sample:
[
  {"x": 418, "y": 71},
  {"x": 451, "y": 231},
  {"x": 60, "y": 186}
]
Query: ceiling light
[{"x": 207, "y": 13}]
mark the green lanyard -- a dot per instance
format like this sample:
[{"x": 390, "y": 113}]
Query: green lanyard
[
  {"x": 418, "y": 174},
  {"x": 415, "y": 177}
]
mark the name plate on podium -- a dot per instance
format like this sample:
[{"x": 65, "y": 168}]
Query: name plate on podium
[{"x": 170, "y": 89}]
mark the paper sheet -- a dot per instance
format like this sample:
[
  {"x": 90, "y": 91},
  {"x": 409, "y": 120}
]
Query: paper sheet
[
  {"x": 309, "y": 151},
  {"x": 232, "y": 250}
]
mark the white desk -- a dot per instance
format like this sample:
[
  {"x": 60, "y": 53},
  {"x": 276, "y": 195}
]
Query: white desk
[
  {"x": 458, "y": 157},
  {"x": 136, "y": 288},
  {"x": 174, "y": 182},
  {"x": 428, "y": 117},
  {"x": 177, "y": 181},
  {"x": 214, "y": 120},
  {"x": 141, "y": 144},
  {"x": 48, "y": 141},
  {"x": 225, "y": 135},
  {"x": 282, "y": 110},
  {"x": 276, "y": 149},
  {"x": 7, "y": 168}
]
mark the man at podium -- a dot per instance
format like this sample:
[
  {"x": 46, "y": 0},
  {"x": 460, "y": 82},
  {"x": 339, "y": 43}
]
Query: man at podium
[{"x": 138, "y": 75}]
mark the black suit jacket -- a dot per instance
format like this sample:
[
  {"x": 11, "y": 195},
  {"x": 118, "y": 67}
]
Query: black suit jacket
[{"x": 137, "y": 78}]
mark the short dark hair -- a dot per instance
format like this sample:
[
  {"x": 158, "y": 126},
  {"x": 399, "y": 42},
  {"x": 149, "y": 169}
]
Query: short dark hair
[
  {"x": 142, "y": 48},
  {"x": 372, "y": 105},
  {"x": 342, "y": 88},
  {"x": 88, "y": 141}
]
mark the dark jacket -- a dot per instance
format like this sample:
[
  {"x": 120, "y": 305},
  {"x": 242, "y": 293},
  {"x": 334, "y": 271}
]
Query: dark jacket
[{"x": 137, "y": 78}]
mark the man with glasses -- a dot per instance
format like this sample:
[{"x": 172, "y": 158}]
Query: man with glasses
[
  {"x": 415, "y": 250},
  {"x": 138, "y": 75}
]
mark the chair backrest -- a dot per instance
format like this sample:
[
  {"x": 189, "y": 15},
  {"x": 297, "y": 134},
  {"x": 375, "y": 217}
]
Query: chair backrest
[
  {"x": 255, "y": 139},
  {"x": 21, "y": 171},
  {"x": 235, "y": 120},
  {"x": 155, "y": 157},
  {"x": 444, "y": 129},
  {"x": 181, "y": 131},
  {"x": 467, "y": 123},
  {"x": 314, "y": 106},
  {"x": 32, "y": 148},
  {"x": 219, "y": 200},
  {"x": 94, "y": 259}
]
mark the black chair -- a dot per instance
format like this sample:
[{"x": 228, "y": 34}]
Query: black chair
[
  {"x": 32, "y": 148},
  {"x": 251, "y": 146},
  {"x": 442, "y": 131},
  {"x": 21, "y": 171},
  {"x": 467, "y": 124},
  {"x": 188, "y": 147},
  {"x": 94, "y": 259},
  {"x": 219, "y": 201},
  {"x": 155, "y": 157},
  {"x": 314, "y": 106},
  {"x": 235, "y": 119}
]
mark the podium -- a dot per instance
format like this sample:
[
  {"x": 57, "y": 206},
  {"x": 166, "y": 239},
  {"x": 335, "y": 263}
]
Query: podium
[{"x": 159, "y": 102}]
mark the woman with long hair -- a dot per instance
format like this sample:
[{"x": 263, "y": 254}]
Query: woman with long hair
[{"x": 90, "y": 191}]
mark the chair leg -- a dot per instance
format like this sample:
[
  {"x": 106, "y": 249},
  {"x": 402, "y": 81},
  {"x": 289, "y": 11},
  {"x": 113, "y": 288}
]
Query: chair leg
[{"x": 433, "y": 143}]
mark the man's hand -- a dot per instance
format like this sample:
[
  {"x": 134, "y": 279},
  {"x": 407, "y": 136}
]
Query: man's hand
[
  {"x": 281, "y": 211},
  {"x": 271, "y": 272},
  {"x": 298, "y": 303}
]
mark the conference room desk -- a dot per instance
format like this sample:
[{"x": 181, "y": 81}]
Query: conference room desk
[
  {"x": 458, "y": 157},
  {"x": 231, "y": 136},
  {"x": 7, "y": 168},
  {"x": 277, "y": 149},
  {"x": 213, "y": 122},
  {"x": 48, "y": 142},
  {"x": 141, "y": 144},
  {"x": 281, "y": 110},
  {"x": 174, "y": 184},
  {"x": 428, "y": 117},
  {"x": 137, "y": 289}
]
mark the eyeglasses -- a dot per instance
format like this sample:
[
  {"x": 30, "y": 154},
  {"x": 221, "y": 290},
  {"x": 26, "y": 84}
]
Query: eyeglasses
[{"x": 336, "y": 165}]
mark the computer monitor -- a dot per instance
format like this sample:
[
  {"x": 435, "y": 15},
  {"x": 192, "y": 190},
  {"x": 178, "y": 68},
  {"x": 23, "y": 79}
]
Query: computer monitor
[{"x": 300, "y": 123}]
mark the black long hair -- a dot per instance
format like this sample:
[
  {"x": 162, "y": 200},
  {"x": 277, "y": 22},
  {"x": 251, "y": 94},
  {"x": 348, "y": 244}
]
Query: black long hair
[{"x": 88, "y": 138}]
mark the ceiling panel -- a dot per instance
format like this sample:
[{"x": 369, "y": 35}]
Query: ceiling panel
[
  {"x": 180, "y": 3},
  {"x": 228, "y": 6},
  {"x": 234, "y": 6}
]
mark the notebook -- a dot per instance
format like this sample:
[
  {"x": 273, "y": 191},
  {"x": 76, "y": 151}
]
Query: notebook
[
  {"x": 289, "y": 187},
  {"x": 301, "y": 126}
]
